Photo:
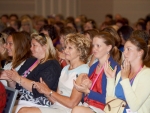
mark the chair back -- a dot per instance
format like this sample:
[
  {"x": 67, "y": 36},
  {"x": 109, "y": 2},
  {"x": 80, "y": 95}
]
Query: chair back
[{"x": 11, "y": 98}]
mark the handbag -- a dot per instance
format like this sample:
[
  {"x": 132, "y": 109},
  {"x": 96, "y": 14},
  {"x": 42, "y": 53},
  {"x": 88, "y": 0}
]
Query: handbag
[{"x": 115, "y": 105}]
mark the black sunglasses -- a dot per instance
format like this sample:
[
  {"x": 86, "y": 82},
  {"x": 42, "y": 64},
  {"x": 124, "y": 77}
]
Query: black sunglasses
[{"x": 43, "y": 35}]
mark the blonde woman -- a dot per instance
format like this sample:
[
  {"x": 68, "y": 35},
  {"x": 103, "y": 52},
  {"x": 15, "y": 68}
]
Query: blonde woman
[{"x": 76, "y": 50}]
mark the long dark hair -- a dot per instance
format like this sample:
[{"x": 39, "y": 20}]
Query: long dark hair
[{"x": 22, "y": 44}]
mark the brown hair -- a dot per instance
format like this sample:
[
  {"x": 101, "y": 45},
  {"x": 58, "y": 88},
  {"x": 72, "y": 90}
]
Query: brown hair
[
  {"x": 21, "y": 48},
  {"x": 115, "y": 35},
  {"x": 109, "y": 40},
  {"x": 82, "y": 44},
  {"x": 91, "y": 32},
  {"x": 141, "y": 44},
  {"x": 66, "y": 30},
  {"x": 141, "y": 34}
]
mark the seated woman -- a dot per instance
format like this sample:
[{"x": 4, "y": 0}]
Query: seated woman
[
  {"x": 132, "y": 82},
  {"x": 45, "y": 66},
  {"x": 103, "y": 50},
  {"x": 76, "y": 51},
  {"x": 15, "y": 44}
]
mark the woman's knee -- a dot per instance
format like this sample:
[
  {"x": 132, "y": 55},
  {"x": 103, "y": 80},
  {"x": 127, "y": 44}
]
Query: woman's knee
[
  {"x": 23, "y": 110},
  {"x": 29, "y": 110},
  {"x": 76, "y": 110}
]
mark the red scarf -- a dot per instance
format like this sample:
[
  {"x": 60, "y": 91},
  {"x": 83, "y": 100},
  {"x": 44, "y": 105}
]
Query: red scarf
[
  {"x": 96, "y": 88},
  {"x": 98, "y": 85}
]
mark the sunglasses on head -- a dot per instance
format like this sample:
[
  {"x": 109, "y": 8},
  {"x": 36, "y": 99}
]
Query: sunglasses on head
[{"x": 43, "y": 35}]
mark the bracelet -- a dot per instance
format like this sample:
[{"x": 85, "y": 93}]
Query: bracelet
[
  {"x": 87, "y": 94},
  {"x": 33, "y": 82},
  {"x": 50, "y": 94},
  {"x": 19, "y": 82}
]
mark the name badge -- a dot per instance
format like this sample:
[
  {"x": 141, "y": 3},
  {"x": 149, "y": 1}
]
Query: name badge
[{"x": 129, "y": 111}]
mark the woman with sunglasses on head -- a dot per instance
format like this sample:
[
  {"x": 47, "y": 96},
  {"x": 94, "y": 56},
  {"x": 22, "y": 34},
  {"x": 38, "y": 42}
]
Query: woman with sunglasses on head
[
  {"x": 94, "y": 85},
  {"x": 45, "y": 66},
  {"x": 132, "y": 82},
  {"x": 77, "y": 48}
]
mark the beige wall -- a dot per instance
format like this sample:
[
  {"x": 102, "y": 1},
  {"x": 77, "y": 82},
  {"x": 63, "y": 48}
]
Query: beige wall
[
  {"x": 95, "y": 9},
  {"x": 132, "y": 9}
]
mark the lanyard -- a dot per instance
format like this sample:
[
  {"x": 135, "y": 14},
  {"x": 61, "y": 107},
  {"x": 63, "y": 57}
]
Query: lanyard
[
  {"x": 25, "y": 73},
  {"x": 96, "y": 78},
  {"x": 131, "y": 81}
]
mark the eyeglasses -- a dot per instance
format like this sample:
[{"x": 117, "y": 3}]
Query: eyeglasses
[{"x": 1, "y": 36}]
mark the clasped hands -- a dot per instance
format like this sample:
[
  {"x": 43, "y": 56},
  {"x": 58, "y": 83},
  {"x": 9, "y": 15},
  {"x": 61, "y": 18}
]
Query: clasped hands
[
  {"x": 83, "y": 83},
  {"x": 10, "y": 75}
]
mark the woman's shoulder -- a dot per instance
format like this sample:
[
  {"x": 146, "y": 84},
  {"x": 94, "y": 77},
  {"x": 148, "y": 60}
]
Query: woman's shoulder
[
  {"x": 84, "y": 68},
  {"x": 94, "y": 66},
  {"x": 145, "y": 71},
  {"x": 29, "y": 62},
  {"x": 50, "y": 64},
  {"x": 30, "y": 59},
  {"x": 26, "y": 65}
]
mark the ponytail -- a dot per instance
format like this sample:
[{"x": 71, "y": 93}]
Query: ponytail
[{"x": 116, "y": 54}]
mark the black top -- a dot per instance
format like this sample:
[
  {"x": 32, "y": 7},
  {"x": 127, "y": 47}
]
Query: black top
[{"x": 49, "y": 71}]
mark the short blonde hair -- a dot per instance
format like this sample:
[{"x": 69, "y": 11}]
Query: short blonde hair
[
  {"x": 81, "y": 43},
  {"x": 44, "y": 39}
]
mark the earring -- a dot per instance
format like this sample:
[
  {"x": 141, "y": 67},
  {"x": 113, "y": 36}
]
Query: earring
[{"x": 108, "y": 53}]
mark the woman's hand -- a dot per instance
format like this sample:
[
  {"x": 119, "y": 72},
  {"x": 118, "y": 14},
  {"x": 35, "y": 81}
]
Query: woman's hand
[
  {"x": 41, "y": 87},
  {"x": 125, "y": 69},
  {"x": 87, "y": 82},
  {"x": 110, "y": 73},
  {"x": 83, "y": 83},
  {"x": 13, "y": 75},
  {"x": 81, "y": 88},
  {"x": 3, "y": 75}
]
